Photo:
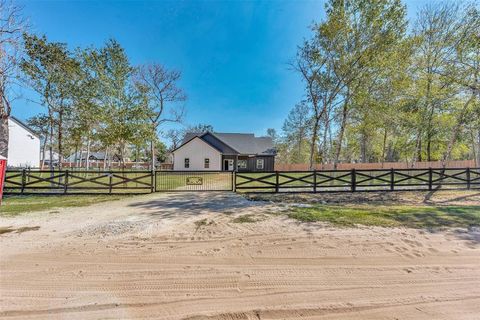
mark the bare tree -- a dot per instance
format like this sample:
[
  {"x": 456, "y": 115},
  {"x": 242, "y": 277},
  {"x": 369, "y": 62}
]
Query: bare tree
[
  {"x": 311, "y": 67},
  {"x": 12, "y": 24},
  {"x": 175, "y": 137},
  {"x": 164, "y": 98}
]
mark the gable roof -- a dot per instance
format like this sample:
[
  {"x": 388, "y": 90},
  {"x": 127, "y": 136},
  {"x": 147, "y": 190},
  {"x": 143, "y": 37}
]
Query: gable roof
[
  {"x": 24, "y": 126},
  {"x": 235, "y": 143},
  {"x": 192, "y": 137}
]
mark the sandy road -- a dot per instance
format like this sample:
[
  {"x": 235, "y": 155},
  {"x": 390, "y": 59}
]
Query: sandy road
[{"x": 180, "y": 256}]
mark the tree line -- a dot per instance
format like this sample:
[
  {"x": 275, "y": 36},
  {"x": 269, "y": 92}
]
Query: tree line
[
  {"x": 378, "y": 88},
  {"x": 96, "y": 100}
]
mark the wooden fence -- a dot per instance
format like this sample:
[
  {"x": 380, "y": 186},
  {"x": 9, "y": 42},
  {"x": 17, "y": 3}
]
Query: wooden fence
[
  {"x": 358, "y": 180},
  {"x": 114, "y": 182},
  {"x": 78, "y": 182},
  {"x": 134, "y": 182},
  {"x": 378, "y": 165}
]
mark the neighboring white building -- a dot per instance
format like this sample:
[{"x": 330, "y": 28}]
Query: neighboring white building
[{"x": 23, "y": 145}]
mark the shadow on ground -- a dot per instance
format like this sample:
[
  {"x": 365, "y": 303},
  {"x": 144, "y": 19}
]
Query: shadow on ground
[{"x": 194, "y": 203}]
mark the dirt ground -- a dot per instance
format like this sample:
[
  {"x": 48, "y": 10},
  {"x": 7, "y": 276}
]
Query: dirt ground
[{"x": 182, "y": 256}]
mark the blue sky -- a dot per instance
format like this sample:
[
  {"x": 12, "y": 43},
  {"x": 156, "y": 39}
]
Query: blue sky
[{"x": 233, "y": 55}]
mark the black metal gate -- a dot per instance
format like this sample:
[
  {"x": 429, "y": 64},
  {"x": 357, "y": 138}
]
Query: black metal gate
[{"x": 194, "y": 181}]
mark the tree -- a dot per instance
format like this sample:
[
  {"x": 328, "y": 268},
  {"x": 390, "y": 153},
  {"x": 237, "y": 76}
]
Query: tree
[
  {"x": 12, "y": 24},
  {"x": 295, "y": 131},
  {"x": 272, "y": 133},
  {"x": 51, "y": 72},
  {"x": 125, "y": 113},
  {"x": 175, "y": 137},
  {"x": 434, "y": 33},
  {"x": 199, "y": 128},
  {"x": 41, "y": 125},
  {"x": 339, "y": 55},
  {"x": 163, "y": 97},
  {"x": 463, "y": 69}
]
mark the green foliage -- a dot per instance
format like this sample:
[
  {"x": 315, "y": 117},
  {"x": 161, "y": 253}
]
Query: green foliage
[
  {"x": 377, "y": 93},
  {"x": 92, "y": 98}
]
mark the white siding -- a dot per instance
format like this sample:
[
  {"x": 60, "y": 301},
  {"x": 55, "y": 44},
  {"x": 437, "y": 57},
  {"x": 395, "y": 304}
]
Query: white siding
[
  {"x": 197, "y": 150},
  {"x": 23, "y": 147}
]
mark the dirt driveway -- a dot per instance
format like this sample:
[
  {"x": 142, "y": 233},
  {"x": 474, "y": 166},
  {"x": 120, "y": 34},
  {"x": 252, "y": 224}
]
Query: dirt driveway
[{"x": 187, "y": 256}]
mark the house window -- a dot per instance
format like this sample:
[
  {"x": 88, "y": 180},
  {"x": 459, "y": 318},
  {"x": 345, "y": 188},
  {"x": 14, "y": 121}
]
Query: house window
[
  {"x": 207, "y": 163},
  {"x": 187, "y": 163},
  {"x": 242, "y": 164},
  {"x": 259, "y": 163}
]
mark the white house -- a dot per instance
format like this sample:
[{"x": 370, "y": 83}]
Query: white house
[
  {"x": 23, "y": 145},
  {"x": 224, "y": 152}
]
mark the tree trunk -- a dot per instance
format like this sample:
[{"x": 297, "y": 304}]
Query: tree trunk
[
  {"x": 456, "y": 131},
  {"x": 87, "y": 159},
  {"x": 152, "y": 150},
  {"x": 313, "y": 142},
  {"x": 429, "y": 149},
  {"x": 80, "y": 159},
  {"x": 60, "y": 138},
  {"x": 4, "y": 136},
  {"x": 418, "y": 148},
  {"x": 324, "y": 146},
  {"x": 384, "y": 147},
  {"x": 75, "y": 157},
  {"x": 50, "y": 147},
  {"x": 44, "y": 147},
  {"x": 105, "y": 159},
  {"x": 122, "y": 156},
  {"x": 363, "y": 148},
  {"x": 340, "y": 135},
  {"x": 478, "y": 149}
]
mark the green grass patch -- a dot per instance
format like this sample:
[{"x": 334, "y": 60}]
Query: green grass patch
[
  {"x": 15, "y": 205},
  {"x": 246, "y": 218},
  {"x": 391, "y": 216}
]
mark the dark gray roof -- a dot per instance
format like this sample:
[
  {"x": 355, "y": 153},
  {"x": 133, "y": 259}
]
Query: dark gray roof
[
  {"x": 99, "y": 155},
  {"x": 236, "y": 143}
]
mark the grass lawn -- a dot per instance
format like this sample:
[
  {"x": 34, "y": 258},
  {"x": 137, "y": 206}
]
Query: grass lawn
[
  {"x": 15, "y": 205},
  {"x": 390, "y": 216}
]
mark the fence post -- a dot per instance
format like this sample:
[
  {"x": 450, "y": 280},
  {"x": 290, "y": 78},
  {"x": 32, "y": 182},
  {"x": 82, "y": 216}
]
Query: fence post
[
  {"x": 314, "y": 180},
  {"x": 354, "y": 180},
  {"x": 234, "y": 181},
  {"x": 276, "y": 181},
  {"x": 152, "y": 181},
  {"x": 110, "y": 178},
  {"x": 392, "y": 179},
  {"x": 468, "y": 178},
  {"x": 430, "y": 179},
  {"x": 24, "y": 179},
  {"x": 65, "y": 186}
]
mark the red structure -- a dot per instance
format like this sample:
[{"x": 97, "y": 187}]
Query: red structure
[{"x": 3, "y": 167}]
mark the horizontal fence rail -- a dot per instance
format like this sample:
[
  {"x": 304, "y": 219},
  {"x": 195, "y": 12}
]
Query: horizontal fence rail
[
  {"x": 136, "y": 182},
  {"x": 78, "y": 182},
  {"x": 358, "y": 180}
]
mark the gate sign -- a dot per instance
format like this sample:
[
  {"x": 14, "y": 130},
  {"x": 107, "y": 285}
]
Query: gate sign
[
  {"x": 195, "y": 181},
  {"x": 3, "y": 168}
]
